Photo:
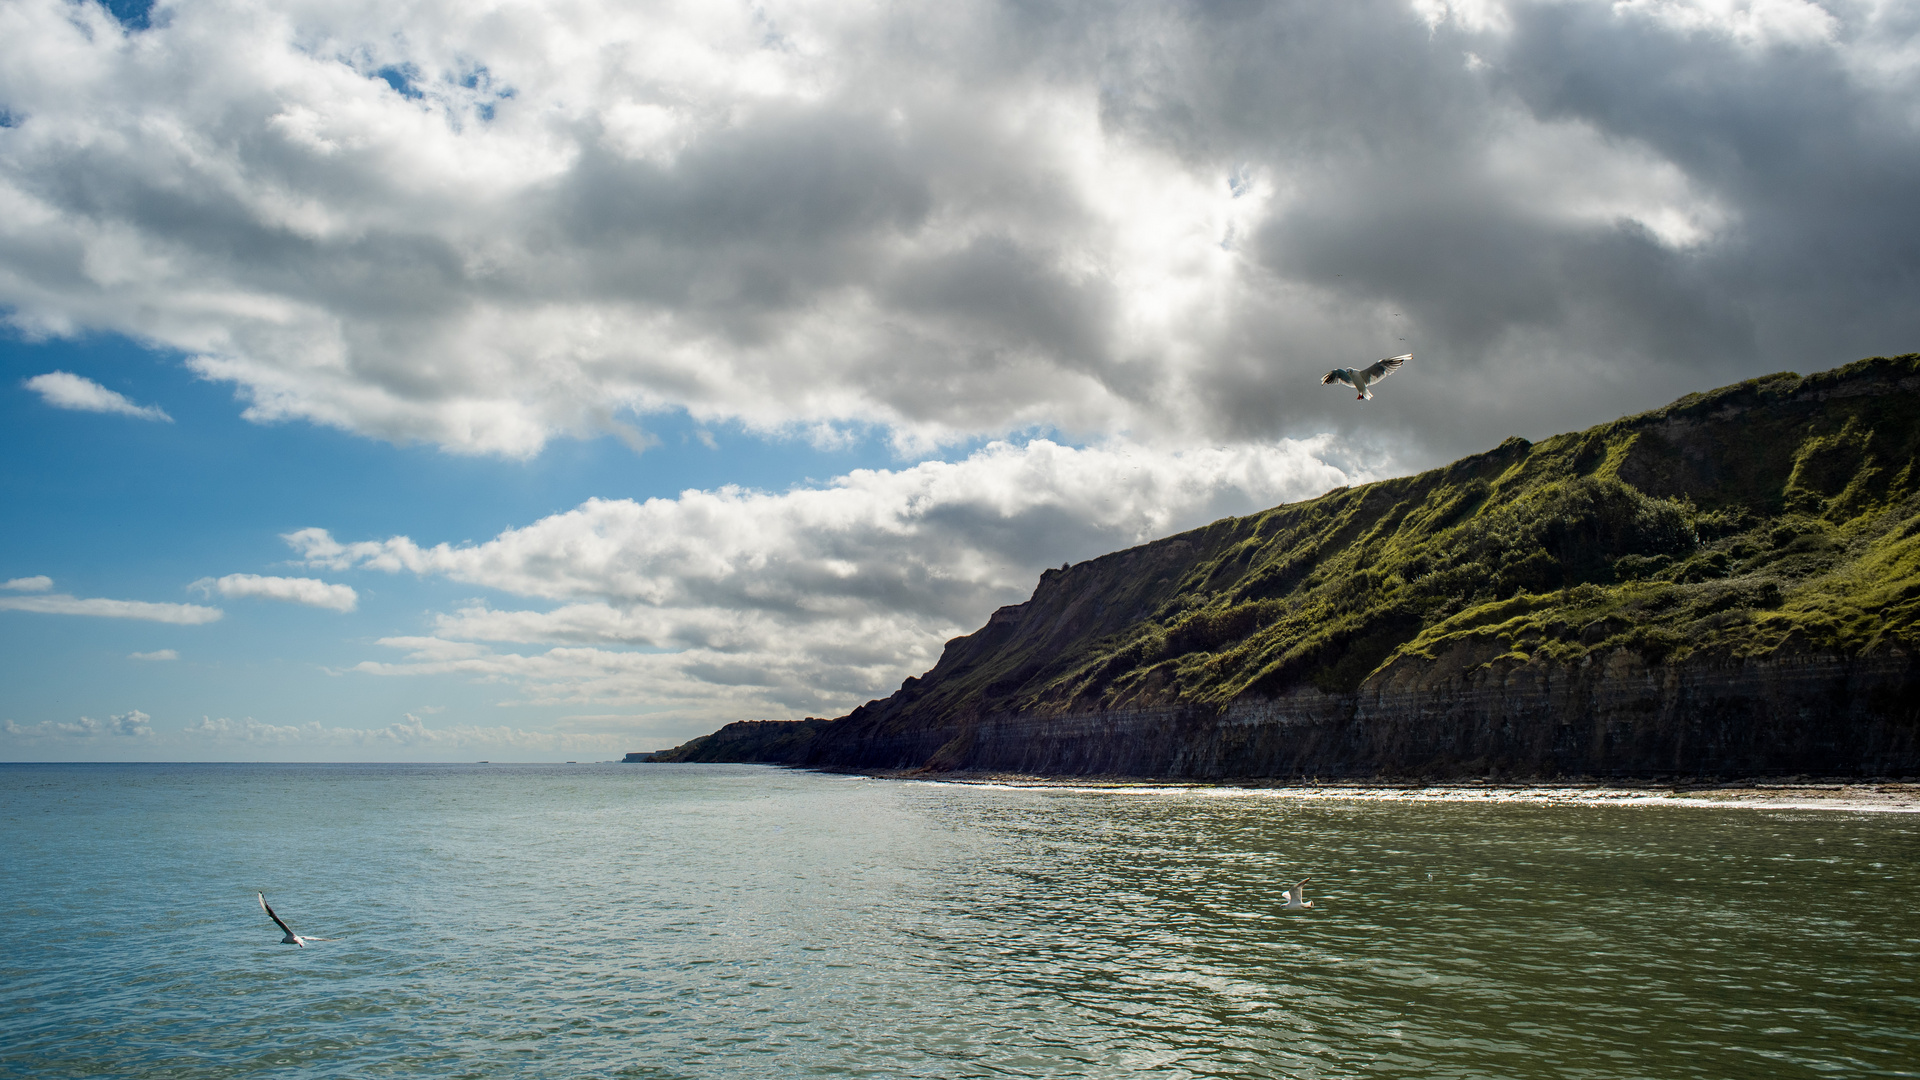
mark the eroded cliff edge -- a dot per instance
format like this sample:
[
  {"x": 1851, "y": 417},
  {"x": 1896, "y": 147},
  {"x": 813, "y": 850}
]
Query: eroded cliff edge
[{"x": 1727, "y": 586}]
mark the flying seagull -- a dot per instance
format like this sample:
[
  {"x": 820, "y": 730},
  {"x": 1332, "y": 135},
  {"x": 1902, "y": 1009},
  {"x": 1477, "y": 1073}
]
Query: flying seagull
[
  {"x": 291, "y": 938},
  {"x": 1359, "y": 378},
  {"x": 1296, "y": 897}
]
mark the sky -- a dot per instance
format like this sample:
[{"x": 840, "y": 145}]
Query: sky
[{"x": 547, "y": 380}]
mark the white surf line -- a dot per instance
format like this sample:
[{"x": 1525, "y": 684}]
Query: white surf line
[
  {"x": 1543, "y": 795},
  {"x": 1744, "y": 799}
]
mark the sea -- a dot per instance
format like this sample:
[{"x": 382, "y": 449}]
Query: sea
[{"x": 611, "y": 920}]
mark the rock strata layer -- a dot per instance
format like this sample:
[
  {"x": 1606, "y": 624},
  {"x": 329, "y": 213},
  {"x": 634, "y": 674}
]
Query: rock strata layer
[{"x": 1800, "y": 713}]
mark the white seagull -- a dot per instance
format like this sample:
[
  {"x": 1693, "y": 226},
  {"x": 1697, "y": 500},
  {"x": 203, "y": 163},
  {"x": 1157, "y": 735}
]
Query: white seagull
[
  {"x": 291, "y": 938},
  {"x": 1297, "y": 897},
  {"x": 1359, "y": 378}
]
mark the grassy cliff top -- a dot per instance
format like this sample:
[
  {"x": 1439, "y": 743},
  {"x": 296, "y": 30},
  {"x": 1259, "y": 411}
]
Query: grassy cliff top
[{"x": 1732, "y": 522}]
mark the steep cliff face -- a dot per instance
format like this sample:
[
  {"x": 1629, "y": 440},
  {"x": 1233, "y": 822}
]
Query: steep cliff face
[{"x": 1727, "y": 585}]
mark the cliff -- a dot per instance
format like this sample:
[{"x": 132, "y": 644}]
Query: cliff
[{"x": 1728, "y": 585}]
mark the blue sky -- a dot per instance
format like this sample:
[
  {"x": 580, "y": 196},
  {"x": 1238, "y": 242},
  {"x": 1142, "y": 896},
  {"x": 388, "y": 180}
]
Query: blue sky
[{"x": 542, "y": 382}]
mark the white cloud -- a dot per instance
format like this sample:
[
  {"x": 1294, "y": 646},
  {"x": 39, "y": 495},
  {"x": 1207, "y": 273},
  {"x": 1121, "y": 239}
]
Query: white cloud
[
  {"x": 810, "y": 600},
  {"x": 310, "y": 591},
  {"x": 157, "y": 654},
  {"x": 37, "y": 583},
  {"x": 1474, "y": 16},
  {"x": 1597, "y": 181},
  {"x": 63, "y": 604},
  {"x": 705, "y": 687},
  {"x": 132, "y": 725},
  {"x": 65, "y": 390},
  {"x": 990, "y": 512},
  {"x": 1753, "y": 23},
  {"x": 964, "y": 218}
]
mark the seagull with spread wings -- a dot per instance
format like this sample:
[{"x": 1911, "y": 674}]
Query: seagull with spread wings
[
  {"x": 1361, "y": 378},
  {"x": 1297, "y": 897},
  {"x": 291, "y": 938}
]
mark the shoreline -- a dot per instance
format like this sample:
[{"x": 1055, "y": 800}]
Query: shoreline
[{"x": 1859, "y": 796}]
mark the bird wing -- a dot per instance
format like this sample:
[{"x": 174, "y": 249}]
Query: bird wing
[
  {"x": 1337, "y": 375},
  {"x": 271, "y": 915},
  {"x": 1388, "y": 366},
  {"x": 1300, "y": 890}
]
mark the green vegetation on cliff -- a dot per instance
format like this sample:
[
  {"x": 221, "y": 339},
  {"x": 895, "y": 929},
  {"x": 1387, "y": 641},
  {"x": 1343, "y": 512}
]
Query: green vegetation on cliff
[{"x": 1729, "y": 523}]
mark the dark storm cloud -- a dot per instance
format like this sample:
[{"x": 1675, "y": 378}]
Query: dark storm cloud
[
  {"x": 1546, "y": 305},
  {"x": 960, "y": 220},
  {"x": 1816, "y": 156}
]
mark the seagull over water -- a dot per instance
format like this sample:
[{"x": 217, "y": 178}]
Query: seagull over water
[
  {"x": 1359, "y": 378},
  {"x": 1297, "y": 897},
  {"x": 291, "y": 938}
]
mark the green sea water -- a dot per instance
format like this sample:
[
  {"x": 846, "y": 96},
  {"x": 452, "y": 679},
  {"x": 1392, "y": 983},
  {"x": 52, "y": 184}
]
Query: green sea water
[{"x": 740, "y": 921}]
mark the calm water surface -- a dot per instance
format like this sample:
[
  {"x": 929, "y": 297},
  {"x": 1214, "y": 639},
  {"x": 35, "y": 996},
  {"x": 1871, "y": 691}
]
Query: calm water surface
[{"x": 706, "y": 921}]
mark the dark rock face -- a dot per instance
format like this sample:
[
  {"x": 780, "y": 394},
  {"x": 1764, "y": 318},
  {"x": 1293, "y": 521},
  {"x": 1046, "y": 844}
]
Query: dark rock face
[
  {"x": 1729, "y": 586},
  {"x": 1792, "y": 713}
]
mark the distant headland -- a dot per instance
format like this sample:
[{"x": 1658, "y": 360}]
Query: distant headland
[{"x": 1728, "y": 586}]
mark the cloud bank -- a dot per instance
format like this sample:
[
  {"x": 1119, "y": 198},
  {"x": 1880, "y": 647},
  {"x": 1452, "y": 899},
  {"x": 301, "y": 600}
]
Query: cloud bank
[
  {"x": 220, "y": 739},
  {"x": 129, "y": 725},
  {"x": 485, "y": 226},
  {"x": 734, "y": 603},
  {"x": 405, "y": 738},
  {"x": 65, "y": 390}
]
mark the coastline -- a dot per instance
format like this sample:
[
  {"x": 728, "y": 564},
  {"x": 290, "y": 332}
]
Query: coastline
[{"x": 1859, "y": 796}]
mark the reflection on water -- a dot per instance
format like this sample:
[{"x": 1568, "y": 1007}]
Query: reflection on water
[{"x": 693, "y": 921}]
